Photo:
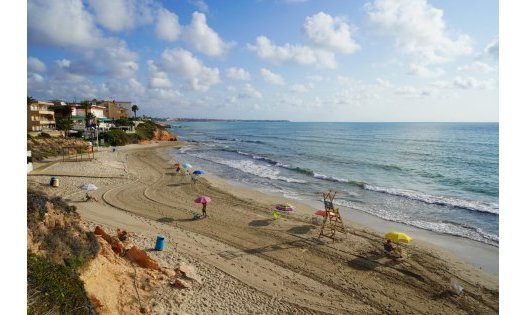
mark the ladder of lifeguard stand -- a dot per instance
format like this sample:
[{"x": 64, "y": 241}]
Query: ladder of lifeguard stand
[{"x": 332, "y": 222}]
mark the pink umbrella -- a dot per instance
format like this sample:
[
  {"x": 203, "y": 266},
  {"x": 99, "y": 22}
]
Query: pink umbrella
[
  {"x": 322, "y": 213},
  {"x": 203, "y": 199}
]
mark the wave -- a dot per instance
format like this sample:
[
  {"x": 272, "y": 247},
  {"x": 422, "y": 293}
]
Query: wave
[
  {"x": 238, "y": 140},
  {"x": 438, "y": 200},
  {"x": 444, "y": 227},
  {"x": 483, "y": 207},
  {"x": 248, "y": 166}
]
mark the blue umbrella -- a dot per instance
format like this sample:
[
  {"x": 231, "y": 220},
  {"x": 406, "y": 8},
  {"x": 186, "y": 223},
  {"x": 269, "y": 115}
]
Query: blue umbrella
[{"x": 198, "y": 172}]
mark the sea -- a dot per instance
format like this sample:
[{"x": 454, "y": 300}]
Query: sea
[{"x": 441, "y": 177}]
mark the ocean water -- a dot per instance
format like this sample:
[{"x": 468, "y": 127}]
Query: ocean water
[{"x": 442, "y": 177}]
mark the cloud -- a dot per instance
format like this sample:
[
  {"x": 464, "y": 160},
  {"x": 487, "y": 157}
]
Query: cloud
[
  {"x": 467, "y": 83},
  {"x": 157, "y": 79},
  {"x": 63, "y": 63},
  {"x": 35, "y": 65},
  {"x": 478, "y": 66},
  {"x": 182, "y": 62},
  {"x": 119, "y": 15},
  {"x": 238, "y": 74},
  {"x": 299, "y": 88},
  {"x": 418, "y": 29},
  {"x": 168, "y": 27},
  {"x": 383, "y": 83},
  {"x": 330, "y": 32},
  {"x": 61, "y": 23},
  {"x": 200, "y": 4},
  {"x": 249, "y": 92},
  {"x": 271, "y": 77},
  {"x": 299, "y": 54},
  {"x": 412, "y": 92},
  {"x": 202, "y": 38},
  {"x": 423, "y": 71},
  {"x": 493, "y": 49}
]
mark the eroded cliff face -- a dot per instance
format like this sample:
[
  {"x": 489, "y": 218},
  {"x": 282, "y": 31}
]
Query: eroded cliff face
[{"x": 163, "y": 135}]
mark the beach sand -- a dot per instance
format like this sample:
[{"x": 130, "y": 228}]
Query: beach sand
[{"x": 250, "y": 263}]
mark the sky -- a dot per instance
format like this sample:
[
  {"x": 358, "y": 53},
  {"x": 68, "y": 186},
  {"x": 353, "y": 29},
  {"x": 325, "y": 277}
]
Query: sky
[{"x": 300, "y": 60}]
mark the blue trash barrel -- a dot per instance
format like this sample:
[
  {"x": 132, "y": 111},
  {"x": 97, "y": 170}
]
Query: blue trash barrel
[{"x": 159, "y": 244}]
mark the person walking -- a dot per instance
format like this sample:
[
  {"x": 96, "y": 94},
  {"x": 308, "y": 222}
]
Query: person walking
[{"x": 204, "y": 210}]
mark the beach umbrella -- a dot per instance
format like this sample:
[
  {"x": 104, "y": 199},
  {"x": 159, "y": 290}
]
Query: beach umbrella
[
  {"x": 88, "y": 187},
  {"x": 398, "y": 237},
  {"x": 198, "y": 172},
  {"x": 321, "y": 213},
  {"x": 203, "y": 199},
  {"x": 186, "y": 165}
]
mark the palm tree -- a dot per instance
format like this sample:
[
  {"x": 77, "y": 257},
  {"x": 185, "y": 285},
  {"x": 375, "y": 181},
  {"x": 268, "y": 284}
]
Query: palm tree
[
  {"x": 30, "y": 100},
  {"x": 134, "y": 109}
]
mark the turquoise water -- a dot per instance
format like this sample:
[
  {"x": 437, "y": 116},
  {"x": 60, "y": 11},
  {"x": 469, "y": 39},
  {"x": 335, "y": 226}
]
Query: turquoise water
[{"x": 442, "y": 177}]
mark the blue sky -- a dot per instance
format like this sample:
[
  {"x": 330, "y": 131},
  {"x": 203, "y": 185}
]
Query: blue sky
[{"x": 378, "y": 60}]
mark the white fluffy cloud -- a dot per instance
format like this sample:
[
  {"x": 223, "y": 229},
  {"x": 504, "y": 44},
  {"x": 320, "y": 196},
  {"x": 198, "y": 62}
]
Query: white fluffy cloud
[
  {"x": 182, "y": 62},
  {"x": 478, "y": 66},
  {"x": 119, "y": 15},
  {"x": 424, "y": 71},
  {"x": 249, "y": 92},
  {"x": 168, "y": 27},
  {"x": 419, "y": 30},
  {"x": 466, "y": 83},
  {"x": 61, "y": 23},
  {"x": 202, "y": 38},
  {"x": 299, "y": 88},
  {"x": 157, "y": 79},
  {"x": 330, "y": 32},
  {"x": 201, "y": 5},
  {"x": 238, "y": 74},
  {"x": 271, "y": 77},
  {"x": 35, "y": 65},
  {"x": 299, "y": 54}
]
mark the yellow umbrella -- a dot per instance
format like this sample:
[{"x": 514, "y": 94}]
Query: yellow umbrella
[{"x": 398, "y": 237}]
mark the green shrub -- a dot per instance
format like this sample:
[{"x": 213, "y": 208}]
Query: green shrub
[
  {"x": 116, "y": 137},
  {"x": 44, "y": 135},
  {"x": 145, "y": 130},
  {"x": 54, "y": 289}
]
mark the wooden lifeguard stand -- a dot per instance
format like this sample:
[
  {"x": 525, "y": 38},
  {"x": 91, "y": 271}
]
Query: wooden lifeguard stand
[{"x": 332, "y": 221}]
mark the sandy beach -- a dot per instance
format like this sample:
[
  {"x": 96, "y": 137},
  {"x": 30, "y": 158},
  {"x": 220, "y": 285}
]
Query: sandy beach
[{"x": 250, "y": 263}]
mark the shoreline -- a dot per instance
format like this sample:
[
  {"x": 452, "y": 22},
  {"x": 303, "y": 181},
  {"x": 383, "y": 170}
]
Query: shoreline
[
  {"x": 283, "y": 258},
  {"x": 477, "y": 254}
]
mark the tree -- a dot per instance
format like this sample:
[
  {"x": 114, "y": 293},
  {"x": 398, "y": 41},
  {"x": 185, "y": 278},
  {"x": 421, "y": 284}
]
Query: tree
[
  {"x": 134, "y": 109},
  {"x": 30, "y": 100},
  {"x": 65, "y": 125}
]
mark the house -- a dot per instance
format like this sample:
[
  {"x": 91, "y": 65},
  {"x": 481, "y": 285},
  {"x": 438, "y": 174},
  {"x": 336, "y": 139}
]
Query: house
[
  {"x": 116, "y": 110},
  {"x": 40, "y": 117},
  {"x": 77, "y": 113}
]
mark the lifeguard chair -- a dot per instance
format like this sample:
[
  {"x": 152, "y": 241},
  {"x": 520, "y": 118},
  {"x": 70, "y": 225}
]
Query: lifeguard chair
[{"x": 332, "y": 221}]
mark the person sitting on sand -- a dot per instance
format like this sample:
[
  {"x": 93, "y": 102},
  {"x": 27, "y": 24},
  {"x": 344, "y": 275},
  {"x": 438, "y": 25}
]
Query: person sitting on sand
[
  {"x": 204, "y": 210},
  {"x": 390, "y": 248},
  {"x": 90, "y": 198}
]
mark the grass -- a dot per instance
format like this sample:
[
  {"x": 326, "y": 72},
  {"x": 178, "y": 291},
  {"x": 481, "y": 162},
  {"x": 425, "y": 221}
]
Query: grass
[{"x": 54, "y": 288}]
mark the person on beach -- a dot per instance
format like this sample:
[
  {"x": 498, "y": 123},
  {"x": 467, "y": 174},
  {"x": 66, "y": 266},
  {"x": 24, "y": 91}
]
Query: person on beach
[
  {"x": 204, "y": 210},
  {"x": 390, "y": 248}
]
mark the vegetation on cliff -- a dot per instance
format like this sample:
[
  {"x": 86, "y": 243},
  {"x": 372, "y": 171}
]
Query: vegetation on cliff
[{"x": 58, "y": 247}]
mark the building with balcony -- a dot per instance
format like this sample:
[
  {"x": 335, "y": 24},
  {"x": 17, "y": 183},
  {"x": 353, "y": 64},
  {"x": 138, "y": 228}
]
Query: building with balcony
[
  {"x": 116, "y": 110},
  {"x": 40, "y": 117}
]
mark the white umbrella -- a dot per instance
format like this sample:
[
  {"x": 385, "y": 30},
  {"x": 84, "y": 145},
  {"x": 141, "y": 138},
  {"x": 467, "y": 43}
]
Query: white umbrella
[{"x": 88, "y": 187}]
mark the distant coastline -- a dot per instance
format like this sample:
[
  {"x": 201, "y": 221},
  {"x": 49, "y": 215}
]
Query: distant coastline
[{"x": 209, "y": 119}]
